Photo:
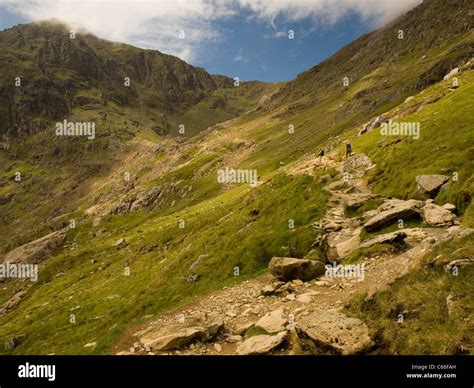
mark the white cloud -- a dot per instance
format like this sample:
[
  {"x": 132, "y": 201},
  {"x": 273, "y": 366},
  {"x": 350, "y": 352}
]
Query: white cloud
[
  {"x": 146, "y": 23},
  {"x": 156, "y": 23},
  {"x": 239, "y": 57},
  {"x": 328, "y": 11}
]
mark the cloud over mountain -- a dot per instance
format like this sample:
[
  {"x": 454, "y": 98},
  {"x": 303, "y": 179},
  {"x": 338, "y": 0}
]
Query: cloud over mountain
[{"x": 186, "y": 28}]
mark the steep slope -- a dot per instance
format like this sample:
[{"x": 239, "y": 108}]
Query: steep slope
[
  {"x": 47, "y": 77},
  {"x": 131, "y": 189},
  {"x": 60, "y": 73}
]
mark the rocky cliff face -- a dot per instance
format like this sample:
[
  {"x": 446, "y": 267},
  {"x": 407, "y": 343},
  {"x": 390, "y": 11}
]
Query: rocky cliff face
[{"x": 52, "y": 68}]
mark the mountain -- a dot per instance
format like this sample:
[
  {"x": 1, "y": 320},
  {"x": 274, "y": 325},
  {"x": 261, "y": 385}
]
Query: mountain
[
  {"x": 134, "y": 225},
  {"x": 59, "y": 74}
]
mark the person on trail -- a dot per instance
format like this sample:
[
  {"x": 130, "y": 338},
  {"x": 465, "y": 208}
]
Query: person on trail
[{"x": 348, "y": 150}]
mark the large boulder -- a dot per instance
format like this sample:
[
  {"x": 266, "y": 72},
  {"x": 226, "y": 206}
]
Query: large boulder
[
  {"x": 288, "y": 268},
  {"x": 339, "y": 244},
  {"x": 331, "y": 330},
  {"x": 35, "y": 251},
  {"x": 397, "y": 237},
  {"x": 176, "y": 335},
  {"x": 430, "y": 184},
  {"x": 437, "y": 215},
  {"x": 260, "y": 344},
  {"x": 391, "y": 211}
]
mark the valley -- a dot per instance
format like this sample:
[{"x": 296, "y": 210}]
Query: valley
[{"x": 144, "y": 222}]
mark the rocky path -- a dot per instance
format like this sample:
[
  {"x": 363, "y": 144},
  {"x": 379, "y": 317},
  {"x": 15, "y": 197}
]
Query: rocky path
[{"x": 283, "y": 312}]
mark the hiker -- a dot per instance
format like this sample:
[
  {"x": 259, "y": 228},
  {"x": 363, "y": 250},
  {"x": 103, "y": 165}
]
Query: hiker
[{"x": 348, "y": 150}]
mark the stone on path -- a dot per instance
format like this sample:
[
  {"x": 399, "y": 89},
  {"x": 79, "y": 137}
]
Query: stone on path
[
  {"x": 331, "y": 329},
  {"x": 272, "y": 322},
  {"x": 287, "y": 268},
  {"x": 395, "y": 210},
  {"x": 437, "y": 215},
  {"x": 260, "y": 344}
]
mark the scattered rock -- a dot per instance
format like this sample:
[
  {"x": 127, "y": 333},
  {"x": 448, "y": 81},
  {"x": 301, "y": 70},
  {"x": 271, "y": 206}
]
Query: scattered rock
[
  {"x": 285, "y": 288},
  {"x": 233, "y": 338},
  {"x": 272, "y": 322},
  {"x": 260, "y": 344},
  {"x": 339, "y": 244},
  {"x": 321, "y": 283},
  {"x": 451, "y": 73},
  {"x": 305, "y": 298},
  {"x": 91, "y": 345},
  {"x": 396, "y": 238},
  {"x": 430, "y": 184},
  {"x": 330, "y": 329},
  {"x": 250, "y": 311},
  {"x": 14, "y": 342},
  {"x": 11, "y": 303},
  {"x": 290, "y": 297},
  {"x": 119, "y": 242},
  {"x": 242, "y": 328},
  {"x": 437, "y": 215},
  {"x": 193, "y": 277},
  {"x": 217, "y": 348},
  {"x": 449, "y": 206},
  {"x": 398, "y": 209},
  {"x": 356, "y": 200},
  {"x": 175, "y": 335},
  {"x": 286, "y": 268},
  {"x": 458, "y": 231},
  {"x": 357, "y": 164},
  {"x": 267, "y": 290}
]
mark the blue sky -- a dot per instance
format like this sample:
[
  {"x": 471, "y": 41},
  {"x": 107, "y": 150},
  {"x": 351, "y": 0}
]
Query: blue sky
[
  {"x": 266, "y": 57},
  {"x": 248, "y": 39}
]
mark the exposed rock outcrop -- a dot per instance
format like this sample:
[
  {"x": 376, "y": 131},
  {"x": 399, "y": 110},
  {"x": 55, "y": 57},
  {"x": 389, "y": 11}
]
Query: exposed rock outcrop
[{"x": 35, "y": 251}]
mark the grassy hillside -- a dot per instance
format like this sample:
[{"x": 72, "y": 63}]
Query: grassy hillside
[
  {"x": 89, "y": 271},
  {"x": 445, "y": 146},
  {"x": 428, "y": 326},
  {"x": 266, "y": 127}
]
